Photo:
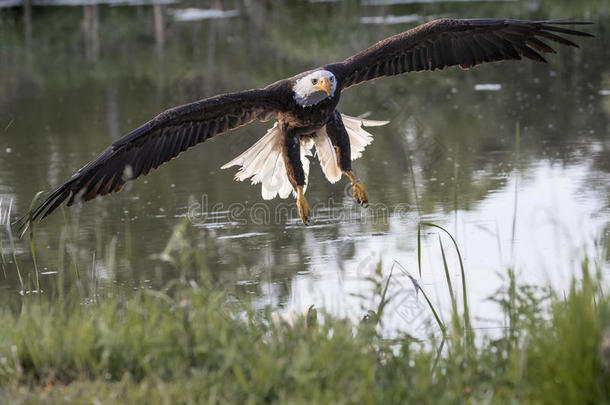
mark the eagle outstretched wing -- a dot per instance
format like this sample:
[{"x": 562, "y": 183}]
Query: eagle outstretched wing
[
  {"x": 158, "y": 141},
  {"x": 435, "y": 45},
  {"x": 451, "y": 42}
]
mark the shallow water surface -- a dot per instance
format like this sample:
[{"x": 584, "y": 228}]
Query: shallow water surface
[{"x": 511, "y": 158}]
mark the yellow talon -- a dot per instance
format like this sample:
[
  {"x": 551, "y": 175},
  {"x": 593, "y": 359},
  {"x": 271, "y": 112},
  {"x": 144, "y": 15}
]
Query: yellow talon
[
  {"x": 358, "y": 190},
  {"x": 302, "y": 206},
  {"x": 360, "y": 194}
]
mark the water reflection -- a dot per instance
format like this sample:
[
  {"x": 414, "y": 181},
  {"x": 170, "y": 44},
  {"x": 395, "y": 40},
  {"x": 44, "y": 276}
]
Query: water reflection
[{"x": 537, "y": 201}]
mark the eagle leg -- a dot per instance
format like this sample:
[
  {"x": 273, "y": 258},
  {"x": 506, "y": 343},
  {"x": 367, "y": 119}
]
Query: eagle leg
[
  {"x": 291, "y": 153},
  {"x": 358, "y": 190},
  {"x": 340, "y": 139},
  {"x": 302, "y": 206}
]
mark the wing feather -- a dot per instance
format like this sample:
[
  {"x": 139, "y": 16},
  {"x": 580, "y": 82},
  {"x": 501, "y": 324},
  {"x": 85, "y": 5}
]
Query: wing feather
[
  {"x": 158, "y": 141},
  {"x": 450, "y": 42}
]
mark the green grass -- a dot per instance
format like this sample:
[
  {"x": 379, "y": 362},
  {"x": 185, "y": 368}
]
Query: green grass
[{"x": 193, "y": 343}]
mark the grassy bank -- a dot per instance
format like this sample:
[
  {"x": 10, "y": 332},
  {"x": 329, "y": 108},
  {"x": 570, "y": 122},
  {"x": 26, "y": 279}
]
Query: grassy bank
[{"x": 193, "y": 344}]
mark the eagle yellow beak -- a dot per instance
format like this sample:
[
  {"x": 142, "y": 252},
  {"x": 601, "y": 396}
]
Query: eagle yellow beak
[{"x": 324, "y": 85}]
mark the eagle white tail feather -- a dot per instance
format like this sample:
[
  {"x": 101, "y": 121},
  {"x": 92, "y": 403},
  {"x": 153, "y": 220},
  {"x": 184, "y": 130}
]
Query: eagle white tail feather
[
  {"x": 327, "y": 155},
  {"x": 264, "y": 163},
  {"x": 358, "y": 137},
  {"x": 253, "y": 159}
]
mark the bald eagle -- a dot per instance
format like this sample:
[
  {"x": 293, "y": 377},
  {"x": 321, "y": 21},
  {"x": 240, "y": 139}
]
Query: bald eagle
[{"x": 305, "y": 111}]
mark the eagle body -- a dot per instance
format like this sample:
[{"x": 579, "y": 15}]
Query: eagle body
[
  {"x": 305, "y": 111},
  {"x": 305, "y": 119}
]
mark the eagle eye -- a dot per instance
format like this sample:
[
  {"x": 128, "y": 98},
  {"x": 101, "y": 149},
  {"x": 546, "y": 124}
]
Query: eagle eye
[
  {"x": 332, "y": 79},
  {"x": 314, "y": 81}
]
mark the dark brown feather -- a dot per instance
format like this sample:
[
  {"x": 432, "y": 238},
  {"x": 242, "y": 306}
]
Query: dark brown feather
[
  {"x": 435, "y": 45},
  {"x": 162, "y": 139},
  {"x": 539, "y": 45},
  {"x": 451, "y": 42},
  {"x": 557, "y": 38}
]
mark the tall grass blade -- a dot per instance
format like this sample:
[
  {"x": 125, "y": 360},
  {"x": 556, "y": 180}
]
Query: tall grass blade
[
  {"x": 438, "y": 356},
  {"x": 517, "y": 159},
  {"x": 455, "y": 186},
  {"x": 446, "y": 267},
  {"x": 94, "y": 278},
  {"x": 419, "y": 248},
  {"x": 412, "y": 173},
  {"x": 467, "y": 324},
  {"x": 3, "y": 221},
  {"x": 31, "y": 230},
  {"x": 418, "y": 287},
  {"x": 436, "y": 316},
  {"x": 11, "y": 240},
  {"x": 384, "y": 300},
  {"x": 3, "y": 262}
]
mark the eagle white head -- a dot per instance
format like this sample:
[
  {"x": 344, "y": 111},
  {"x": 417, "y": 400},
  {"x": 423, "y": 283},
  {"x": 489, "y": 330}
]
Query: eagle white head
[{"x": 315, "y": 87}]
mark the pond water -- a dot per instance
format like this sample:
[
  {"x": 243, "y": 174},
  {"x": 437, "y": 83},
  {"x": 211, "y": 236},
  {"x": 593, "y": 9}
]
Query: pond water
[{"x": 513, "y": 159}]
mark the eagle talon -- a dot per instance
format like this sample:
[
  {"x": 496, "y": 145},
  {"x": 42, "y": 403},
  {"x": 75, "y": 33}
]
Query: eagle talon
[
  {"x": 360, "y": 194},
  {"x": 303, "y": 208}
]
